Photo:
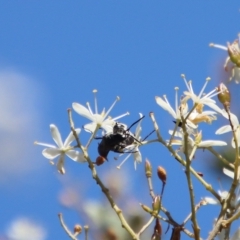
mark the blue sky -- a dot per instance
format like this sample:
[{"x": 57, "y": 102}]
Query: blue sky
[{"x": 55, "y": 53}]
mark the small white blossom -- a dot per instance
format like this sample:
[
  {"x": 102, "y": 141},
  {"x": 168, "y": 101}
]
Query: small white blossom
[
  {"x": 201, "y": 98},
  {"x": 227, "y": 128},
  {"x": 180, "y": 110},
  {"x": 98, "y": 119},
  {"x": 133, "y": 148},
  {"x": 61, "y": 149},
  {"x": 233, "y": 60}
]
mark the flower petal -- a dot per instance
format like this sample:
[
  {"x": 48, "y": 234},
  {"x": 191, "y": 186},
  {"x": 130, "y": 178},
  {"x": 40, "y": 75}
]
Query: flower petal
[
  {"x": 210, "y": 200},
  {"x": 209, "y": 143},
  {"x": 51, "y": 153},
  {"x": 74, "y": 155},
  {"x": 45, "y": 144},
  {"x": 83, "y": 111},
  {"x": 166, "y": 106},
  {"x": 56, "y": 135},
  {"x": 224, "y": 129},
  {"x": 90, "y": 127},
  {"x": 71, "y": 138},
  {"x": 60, "y": 164},
  {"x": 228, "y": 173}
]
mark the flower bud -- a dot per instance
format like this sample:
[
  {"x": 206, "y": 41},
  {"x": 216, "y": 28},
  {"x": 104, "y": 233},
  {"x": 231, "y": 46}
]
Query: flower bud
[
  {"x": 224, "y": 95},
  {"x": 100, "y": 160},
  {"x": 146, "y": 208},
  {"x": 162, "y": 174},
  {"x": 148, "y": 169},
  {"x": 156, "y": 204},
  {"x": 77, "y": 229},
  {"x": 234, "y": 52}
]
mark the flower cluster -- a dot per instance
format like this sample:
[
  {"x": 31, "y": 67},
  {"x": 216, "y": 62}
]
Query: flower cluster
[
  {"x": 190, "y": 112},
  {"x": 233, "y": 60},
  {"x": 192, "y": 116}
]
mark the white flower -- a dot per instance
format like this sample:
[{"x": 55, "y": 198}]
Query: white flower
[
  {"x": 61, "y": 149},
  {"x": 227, "y": 128},
  {"x": 133, "y": 148},
  {"x": 233, "y": 60},
  {"x": 98, "y": 120},
  {"x": 201, "y": 98},
  {"x": 176, "y": 114}
]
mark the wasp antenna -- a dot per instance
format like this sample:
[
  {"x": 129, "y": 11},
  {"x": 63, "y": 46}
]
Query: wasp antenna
[
  {"x": 148, "y": 135},
  {"x": 97, "y": 138},
  {"x": 135, "y": 122}
]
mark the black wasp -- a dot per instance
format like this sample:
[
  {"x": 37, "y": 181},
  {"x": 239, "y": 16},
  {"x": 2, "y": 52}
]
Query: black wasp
[{"x": 118, "y": 140}]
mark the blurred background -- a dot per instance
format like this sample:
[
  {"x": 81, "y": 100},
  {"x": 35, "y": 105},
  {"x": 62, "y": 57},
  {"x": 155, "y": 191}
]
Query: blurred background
[{"x": 55, "y": 53}]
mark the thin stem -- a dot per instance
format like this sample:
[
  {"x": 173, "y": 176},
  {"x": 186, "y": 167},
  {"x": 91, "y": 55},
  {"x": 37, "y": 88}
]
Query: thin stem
[
  {"x": 197, "y": 207},
  {"x": 86, "y": 228},
  {"x": 69, "y": 233},
  {"x": 190, "y": 185},
  {"x": 145, "y": 226},
  {"x": 220, "y": 157},
  {"x": 151, "y": 187}
]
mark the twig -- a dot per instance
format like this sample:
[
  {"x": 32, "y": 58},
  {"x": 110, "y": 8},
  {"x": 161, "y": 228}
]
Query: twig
[
  {"x": 103, "y": 188},
  {"x": 86, "y": 228},
  {"x": 189, "y": 181},
  {"x": 180, "y": 160},
  {"x": 69, "y": 233},
  {"x": 197, "y": 207},
  {"x": 145, "y": 226}
]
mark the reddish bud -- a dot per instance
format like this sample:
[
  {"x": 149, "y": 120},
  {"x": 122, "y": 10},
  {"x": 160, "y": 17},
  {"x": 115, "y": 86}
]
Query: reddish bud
[
  {"x": 77, "y": 229},
  {"x": 162, "y": 174},
  {"x": 100, "y": 160}
]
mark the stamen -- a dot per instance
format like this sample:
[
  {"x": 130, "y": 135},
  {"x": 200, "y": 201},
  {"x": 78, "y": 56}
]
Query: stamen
[
  {"x": 89, "y": 108},
  {"x": 123, "y": 115},
  {"x": 166, "y": 100},
  {"x": 176, "y": 98},
  {"x": 204, "y": 86},
  {"x": 95, "y": 100},
  {"x": 124, "y": 160},
  {"x": 186, "y": 83},
  {"x": 218, "y": 46},
  {"x": 190, "y": 86},
  {"x": 109, "y": 110},
  {"x": 213, "y": 93}
]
